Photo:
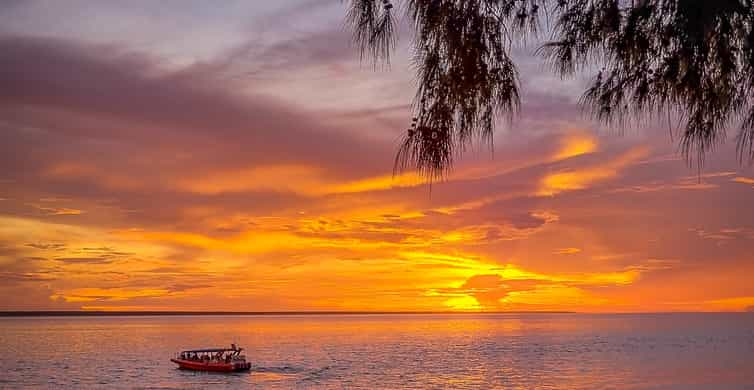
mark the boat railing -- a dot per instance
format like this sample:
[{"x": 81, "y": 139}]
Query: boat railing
[{"x": 212, "y": 356}]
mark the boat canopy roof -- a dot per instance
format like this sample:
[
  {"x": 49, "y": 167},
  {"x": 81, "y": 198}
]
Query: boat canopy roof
[{"x": 209, "y": 350}]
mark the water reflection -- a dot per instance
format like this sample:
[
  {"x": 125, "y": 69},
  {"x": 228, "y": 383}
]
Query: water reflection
[{"x": 387, "y": 351}]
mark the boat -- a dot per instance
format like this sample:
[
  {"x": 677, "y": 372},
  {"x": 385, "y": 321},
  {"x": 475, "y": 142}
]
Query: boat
[{"x": 212, "y": 359}]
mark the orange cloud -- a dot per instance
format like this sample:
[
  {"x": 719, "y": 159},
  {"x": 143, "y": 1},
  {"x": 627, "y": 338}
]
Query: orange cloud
[
  {"x": 283, "y": 178},
  {"x": 578, "y": 179},
  {"x": 313, "y": 181},
  {"x": 576, "y": 145},
  {"x": 57, "y": 210},
  {"x": 499, "y": 288},
  {"x": 744, "y": 180},
  {"x": 566, "y": 251},
  {"x": 107, "y": 294},
  {"x": 379, "y": 183},
  {"x": 545, "y": 298},
  {"x": 745, "y": 303},
  {"x": 301, "y": 179}
]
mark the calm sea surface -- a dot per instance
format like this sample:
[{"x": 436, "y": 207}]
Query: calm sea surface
[{"x": 521, "y": 351}]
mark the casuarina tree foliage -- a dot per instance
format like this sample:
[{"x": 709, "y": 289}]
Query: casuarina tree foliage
[{"x": 691, "y": 61}]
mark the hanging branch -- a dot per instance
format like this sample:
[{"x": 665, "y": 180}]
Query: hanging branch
[{"x": 694, "y": 59}]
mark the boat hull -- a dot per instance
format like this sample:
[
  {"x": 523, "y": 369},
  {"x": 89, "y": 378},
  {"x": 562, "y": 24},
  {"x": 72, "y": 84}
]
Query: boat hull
[{"x": 211, "y": 366}]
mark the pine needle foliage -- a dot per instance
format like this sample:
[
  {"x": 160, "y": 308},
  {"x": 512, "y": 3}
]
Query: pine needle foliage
[{"x": 690, "y": 59}]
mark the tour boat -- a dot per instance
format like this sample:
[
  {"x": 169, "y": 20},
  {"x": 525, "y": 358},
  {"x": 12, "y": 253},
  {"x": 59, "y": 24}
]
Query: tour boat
[{"x": 213, "y": 359}]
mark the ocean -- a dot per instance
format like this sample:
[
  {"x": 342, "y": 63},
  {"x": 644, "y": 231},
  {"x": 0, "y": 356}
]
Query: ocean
[{"x": 390, "y": 351}]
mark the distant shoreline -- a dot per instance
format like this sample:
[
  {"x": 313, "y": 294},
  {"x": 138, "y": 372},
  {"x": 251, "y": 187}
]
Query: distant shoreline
[{"x": 93, "y": 313}]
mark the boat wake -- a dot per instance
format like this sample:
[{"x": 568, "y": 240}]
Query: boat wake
[
  {"x": 286, "y": 373},
  {"x": 284, "y": 370}
]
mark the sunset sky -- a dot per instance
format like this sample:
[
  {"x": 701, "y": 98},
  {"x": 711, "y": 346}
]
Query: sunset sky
[{"x": 177, "y": 155}]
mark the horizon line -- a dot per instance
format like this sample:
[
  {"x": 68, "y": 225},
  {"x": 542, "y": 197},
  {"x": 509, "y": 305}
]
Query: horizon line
[
  {"x": 136, "y": 313},
  {"x": 75, "y": 313}
]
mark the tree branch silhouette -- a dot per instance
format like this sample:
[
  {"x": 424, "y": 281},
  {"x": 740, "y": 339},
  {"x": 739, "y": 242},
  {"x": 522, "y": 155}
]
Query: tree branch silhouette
[{"x": 693, "y": 59}]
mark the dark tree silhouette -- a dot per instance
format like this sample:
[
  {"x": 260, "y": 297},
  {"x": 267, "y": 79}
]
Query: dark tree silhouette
[{"x": 692, "y": 60}]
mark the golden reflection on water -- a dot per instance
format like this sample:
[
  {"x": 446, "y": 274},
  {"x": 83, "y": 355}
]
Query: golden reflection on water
[
  {"x": 367, "y": 326},
  {"x": 560, "y": 351}
]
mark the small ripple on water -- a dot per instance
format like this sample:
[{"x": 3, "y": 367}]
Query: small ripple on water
[{"x": 316, "y": 375}]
